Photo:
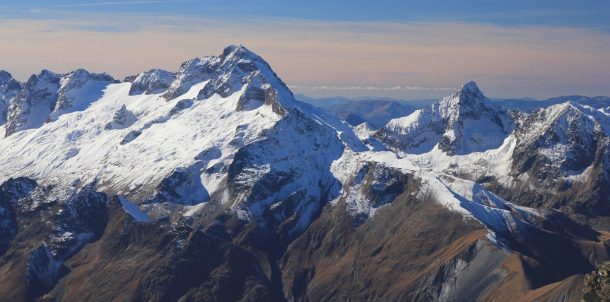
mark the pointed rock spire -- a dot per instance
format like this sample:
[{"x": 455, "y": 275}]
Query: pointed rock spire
[{"x": 9, "y": 88}]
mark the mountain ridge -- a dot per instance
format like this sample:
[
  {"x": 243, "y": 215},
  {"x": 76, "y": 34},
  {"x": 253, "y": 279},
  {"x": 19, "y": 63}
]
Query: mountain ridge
[{"x": 220, "y": 159}]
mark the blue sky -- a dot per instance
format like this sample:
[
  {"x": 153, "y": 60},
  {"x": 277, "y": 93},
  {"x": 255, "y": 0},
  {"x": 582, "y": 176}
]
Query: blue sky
[
  {"x": 406, "y": 49},
  {"x": 585, "y": 13}
]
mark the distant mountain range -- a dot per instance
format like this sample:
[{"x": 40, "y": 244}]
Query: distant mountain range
[
  {"x": 214, "y": 183},
  {"x": 379, "y": 111}
]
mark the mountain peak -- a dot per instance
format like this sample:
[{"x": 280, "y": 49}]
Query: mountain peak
[
  {"x": 557, "y": 111},
  {"x": 236, "y": 61},
  {"x": 235, "y": 69},
  {"x": 243, "y": 58},
  {"x": 469, "y": 93},
  {"x": 8, "y": 86},
  {"x": 470, "y": 87},
  {"x": 461, "y": 123},
  {"x": 5, "y": 76},
  {"x": 238, "y": 50},
  {"x": 47, "y": 73},
  {"x": 151, "y": 82},
  {"x": 467, "y": 100}
]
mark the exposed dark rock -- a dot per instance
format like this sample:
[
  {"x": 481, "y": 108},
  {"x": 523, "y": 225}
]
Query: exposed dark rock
[
  {"x": 122, "y": 118},
  {"x": 183, "y": 186},
  {"x": 151, "y": 82},
  {"x": 180, "y": 106},
  {"x": 130, "y": 137},
  {"x": 34, "y": 103},
  {"x": 9, "y": 88}
]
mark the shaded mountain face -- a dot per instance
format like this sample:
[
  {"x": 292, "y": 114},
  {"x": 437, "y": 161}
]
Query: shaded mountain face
[
  {"x": 151, "y": 82},
  {"x": 212, "y": 183},
  {"x": 9, "y": 88},
  {"x": 77, "y": 244}
]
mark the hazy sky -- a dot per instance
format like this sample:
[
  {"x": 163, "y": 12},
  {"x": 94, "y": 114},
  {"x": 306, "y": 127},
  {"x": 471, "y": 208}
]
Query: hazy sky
[{"x": 395, "y": 48}]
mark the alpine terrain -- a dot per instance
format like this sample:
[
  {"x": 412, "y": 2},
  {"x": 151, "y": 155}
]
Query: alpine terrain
[{"x": 213, "y": 183}]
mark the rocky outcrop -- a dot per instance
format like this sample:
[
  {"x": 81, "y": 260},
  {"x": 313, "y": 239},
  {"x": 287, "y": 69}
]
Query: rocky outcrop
[
  {"x": 9, "y": 88},
  {"x": 183, "y": 186},
  {"x": 122, "y": 118},
  {"x": 153, "y": 81},
  {"x": 74, "y": 244},
  {"x": 78, "y": 89},
  {"x": 597, "y": 284}
]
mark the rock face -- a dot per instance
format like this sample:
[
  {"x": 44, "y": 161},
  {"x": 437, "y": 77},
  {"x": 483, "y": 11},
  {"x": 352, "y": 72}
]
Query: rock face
[
  {"x": 9, "y": 88},
  {"x": 122, "y": 118},
  {"x": 55, "y": 223},
  {"x": 151, "y": 82},
  {"x": 34, "y": 103},
  {"x": 214, "y": 184},
  {"x": 597, "y": 284},
  {"x": 50, "y": 225},
  {"x": 561, "y": 160}
]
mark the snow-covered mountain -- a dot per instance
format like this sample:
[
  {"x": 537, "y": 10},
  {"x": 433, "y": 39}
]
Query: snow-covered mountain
[
  {"x": 225, "y": 133},
  {"x": 48, "y": 95},
  {"x": 462, "y": 123},
  {"x": 529, "y": 105},
  {"x": 216, "y": 173}
]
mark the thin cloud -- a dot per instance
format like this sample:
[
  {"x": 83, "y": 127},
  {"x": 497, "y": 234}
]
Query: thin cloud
[
  {"x": 370, "y": 88},
  {"x": 118, "y": 3}
]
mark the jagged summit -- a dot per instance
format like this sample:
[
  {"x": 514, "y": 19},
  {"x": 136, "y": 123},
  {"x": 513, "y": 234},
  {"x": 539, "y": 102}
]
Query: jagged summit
[
  {"x": 7, "y": 82},
  {"x": 235, "y": 69},
  {"x": 461, "y": 123},
  {"x": 471, "y": 88},
  {"x": 467, "y": 100},
  {"x": 151, "y": 82},
  {"x": 563, "y": 138},
  {"x": 240, "y": 52},
  {"x": 47, "y": 95}
]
